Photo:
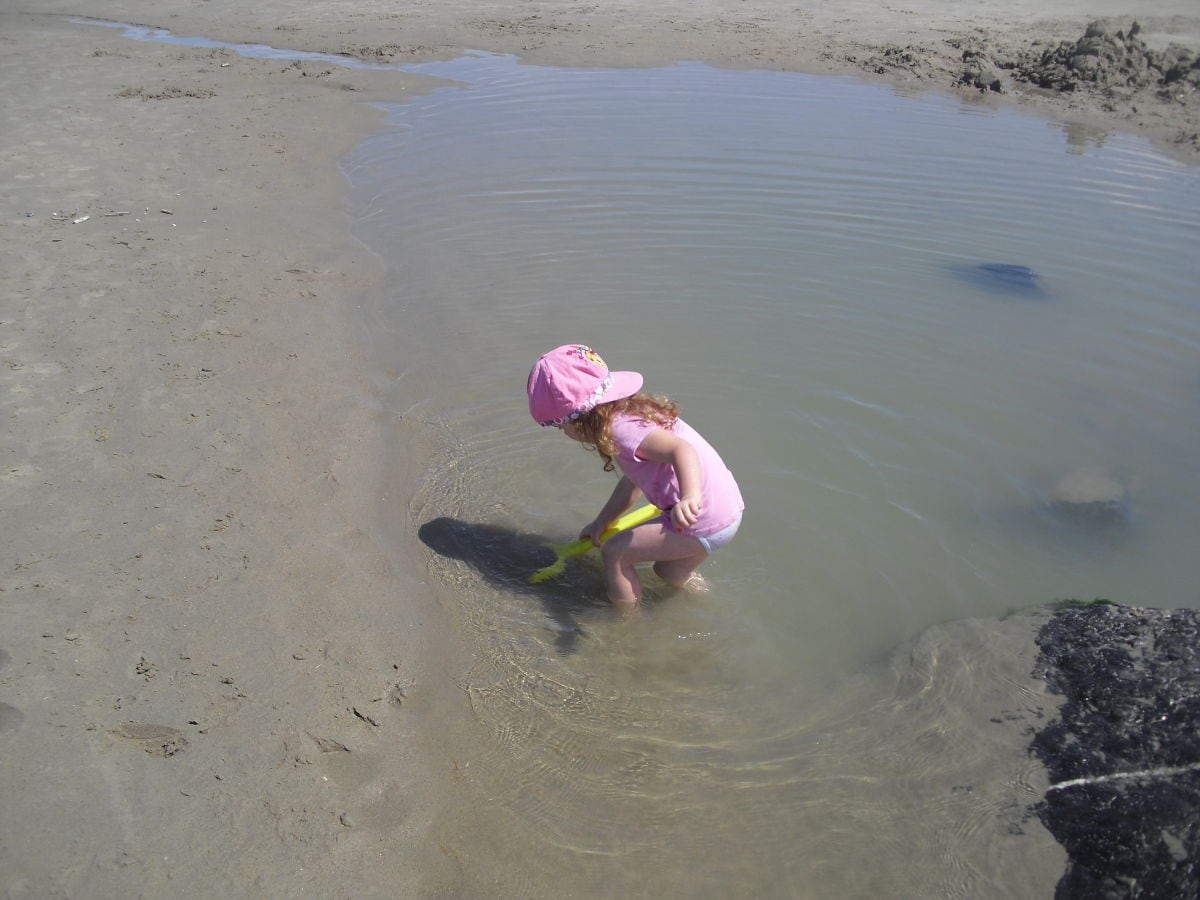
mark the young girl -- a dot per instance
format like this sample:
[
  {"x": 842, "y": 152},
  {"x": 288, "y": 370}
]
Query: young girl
[{"x": 659, "y": 455}]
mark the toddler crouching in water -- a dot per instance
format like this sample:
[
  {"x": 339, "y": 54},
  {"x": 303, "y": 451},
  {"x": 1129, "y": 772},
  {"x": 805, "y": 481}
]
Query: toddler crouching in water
[{"x": 660, "y": 456}]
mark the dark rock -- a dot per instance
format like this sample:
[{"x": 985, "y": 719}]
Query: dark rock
[
  {"x": 1002, "y": 278},
  {"x": 1124, "y": 755},
  {"x": 1009, "y": 273}
]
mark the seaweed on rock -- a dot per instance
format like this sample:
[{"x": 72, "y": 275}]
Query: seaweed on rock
[{"x": 1124, "y": 755}]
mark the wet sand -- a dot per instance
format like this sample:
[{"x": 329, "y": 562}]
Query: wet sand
[{"x": 220, "y": 673}]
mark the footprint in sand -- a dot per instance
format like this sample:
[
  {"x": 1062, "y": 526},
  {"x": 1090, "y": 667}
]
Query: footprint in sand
[
  {"x": 157, "y": 740},
  {"x": 10, "y": 718}
]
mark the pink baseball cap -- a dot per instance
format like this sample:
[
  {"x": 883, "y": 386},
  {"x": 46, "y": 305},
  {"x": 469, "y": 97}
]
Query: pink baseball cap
[{"x": 570, "y": 381}]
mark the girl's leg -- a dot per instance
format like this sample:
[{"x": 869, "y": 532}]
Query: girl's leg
[
  {"x": 675, "y": 557},
  {"x": 678, "y": 571}
]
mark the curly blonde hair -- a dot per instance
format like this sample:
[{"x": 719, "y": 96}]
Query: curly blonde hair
[{"x": 595, "y": 426}]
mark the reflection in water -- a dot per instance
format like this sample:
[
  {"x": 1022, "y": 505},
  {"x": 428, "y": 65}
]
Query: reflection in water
[{"x": 1081, "y": 138}]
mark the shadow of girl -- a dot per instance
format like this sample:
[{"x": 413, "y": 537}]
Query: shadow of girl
[{"x": 506, "y": 559}]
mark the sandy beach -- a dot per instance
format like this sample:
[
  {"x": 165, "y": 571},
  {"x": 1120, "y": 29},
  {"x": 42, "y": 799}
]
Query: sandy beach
[{"x": 192, "y": 439}]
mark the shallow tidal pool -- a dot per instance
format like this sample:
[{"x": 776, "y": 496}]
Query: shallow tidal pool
[{"x": 952, "y": 353}]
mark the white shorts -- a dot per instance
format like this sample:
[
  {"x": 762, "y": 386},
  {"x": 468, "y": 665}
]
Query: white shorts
[{"x": 719, "y": 539}]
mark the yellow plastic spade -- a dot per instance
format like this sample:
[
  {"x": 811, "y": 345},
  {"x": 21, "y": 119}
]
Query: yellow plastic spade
[{"x": 583, "y": 545}]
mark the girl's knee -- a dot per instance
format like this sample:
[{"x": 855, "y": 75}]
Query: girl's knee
[
  {"x": 678, "y": 571},
  {"x": 612, "y": 552}
]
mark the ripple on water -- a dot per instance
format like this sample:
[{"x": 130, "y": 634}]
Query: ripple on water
[{"x": 783, "y": 255}]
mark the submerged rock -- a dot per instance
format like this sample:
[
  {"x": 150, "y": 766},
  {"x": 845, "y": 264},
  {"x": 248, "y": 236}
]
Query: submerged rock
[
  {"x": 1090, "y": 495},
  {"x": 1124, "y": 754},
  {"x": 1008, "y": 273},
  {"x": 1002, "y": 278}
]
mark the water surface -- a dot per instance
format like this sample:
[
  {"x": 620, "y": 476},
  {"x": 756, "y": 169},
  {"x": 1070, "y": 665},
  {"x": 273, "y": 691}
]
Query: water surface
[{"x": 903, "y": 320}]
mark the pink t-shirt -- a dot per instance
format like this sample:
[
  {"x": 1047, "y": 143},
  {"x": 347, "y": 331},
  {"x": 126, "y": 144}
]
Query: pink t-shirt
[{"x": 720, "y": 499}]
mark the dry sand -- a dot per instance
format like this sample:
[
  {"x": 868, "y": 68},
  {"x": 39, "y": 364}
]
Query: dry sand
[{"x": 218, "y": 673}]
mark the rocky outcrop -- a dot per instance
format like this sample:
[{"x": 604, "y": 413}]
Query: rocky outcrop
[
  {"x": 1124, "y": 754},
  {"x": 1109, "y": 71},
  {"x": 1109, "y": 57}
]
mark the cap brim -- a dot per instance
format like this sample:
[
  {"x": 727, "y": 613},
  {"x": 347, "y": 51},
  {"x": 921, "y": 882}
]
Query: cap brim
[{"x": 624, "y": 384}]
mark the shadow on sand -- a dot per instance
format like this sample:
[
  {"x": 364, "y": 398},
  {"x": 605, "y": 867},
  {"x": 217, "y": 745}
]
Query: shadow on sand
[{"x": 506, "y": 558}]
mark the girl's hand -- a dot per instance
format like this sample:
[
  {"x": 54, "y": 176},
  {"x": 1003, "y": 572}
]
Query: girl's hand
[
  {"x": 622, "y": 497},
  {"x": 593, "y": 530},
  {"x": 685, "y": 513}
]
